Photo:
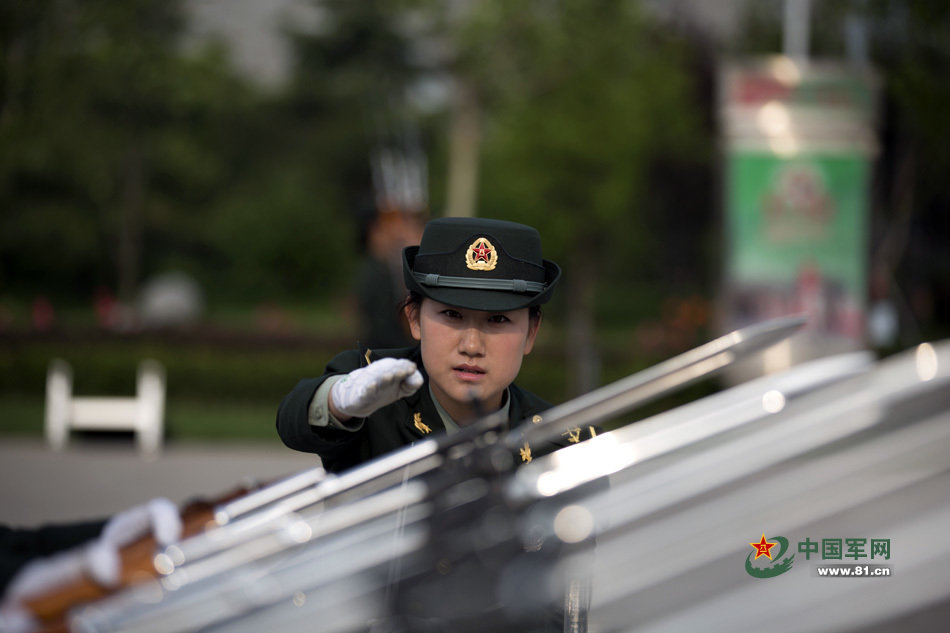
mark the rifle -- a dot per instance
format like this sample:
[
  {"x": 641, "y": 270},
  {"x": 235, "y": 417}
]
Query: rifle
[
  {"x": 245, "y": 518},
  {"x": 432, "y": 453},
  {"x": 461, "y": 530},
  {"x": 137, "y": 559}
]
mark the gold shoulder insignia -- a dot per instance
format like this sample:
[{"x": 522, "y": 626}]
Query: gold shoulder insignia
[
  {"x": 419, "y": 424},
  {"x": 593, "y": 431},
  {"x": 366, "y": 356},
  {"x": 573, "y": 435},
  {"x": 536, "y": 419},
  {"x": 526, "y": 453}
]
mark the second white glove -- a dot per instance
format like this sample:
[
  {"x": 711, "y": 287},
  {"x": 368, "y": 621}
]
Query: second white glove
[
  {"x": 98, "y": 559},
  {"x": 369, "y": 388},
  {"x": 160, "y": 517}
]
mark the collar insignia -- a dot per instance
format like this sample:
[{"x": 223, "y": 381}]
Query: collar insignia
[
  {"x": 419, "y": 424},
  {"x": 481, "y": 255},
  {"x": 573, "y": 435},
  {"x": 525, "y": 453}
]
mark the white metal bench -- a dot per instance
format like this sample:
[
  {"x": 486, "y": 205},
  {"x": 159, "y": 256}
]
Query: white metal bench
[{"x": 143, "y": 414}]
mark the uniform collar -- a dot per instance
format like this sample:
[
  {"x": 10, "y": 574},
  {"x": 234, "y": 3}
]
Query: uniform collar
[{"x": 451, "y": 426}]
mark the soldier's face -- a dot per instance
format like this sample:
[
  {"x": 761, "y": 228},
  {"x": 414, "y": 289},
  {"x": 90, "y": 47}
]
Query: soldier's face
[{"x": 471, "y": 353}]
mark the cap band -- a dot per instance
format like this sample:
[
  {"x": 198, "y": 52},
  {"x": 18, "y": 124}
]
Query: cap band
[
  {"x": 454, "y": 263},
  {"x": 510, "y": 285}
]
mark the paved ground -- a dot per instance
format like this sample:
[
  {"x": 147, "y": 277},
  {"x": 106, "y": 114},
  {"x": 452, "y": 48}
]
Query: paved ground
[{"x": 92, "y": 479}]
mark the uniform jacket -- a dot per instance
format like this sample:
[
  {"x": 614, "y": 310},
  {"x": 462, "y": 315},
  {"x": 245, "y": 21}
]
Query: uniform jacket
[{"x": 393, "y": 426}]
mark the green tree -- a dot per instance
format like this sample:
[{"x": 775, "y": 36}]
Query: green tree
[
  {"x": 347, "y": 99},
  {"x": 582, "y": 98},
  {"x": 123, "y": 154},
  {"x": 83, "y": 98},
  {"x": 348, "y": 91}
]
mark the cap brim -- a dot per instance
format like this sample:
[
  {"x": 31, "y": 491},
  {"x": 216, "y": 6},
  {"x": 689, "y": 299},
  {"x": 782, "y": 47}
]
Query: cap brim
[{"x": 490, "y": 300}]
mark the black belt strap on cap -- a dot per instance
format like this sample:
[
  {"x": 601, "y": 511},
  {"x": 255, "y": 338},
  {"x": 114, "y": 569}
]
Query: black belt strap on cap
[{"x": 511, "y": 285}]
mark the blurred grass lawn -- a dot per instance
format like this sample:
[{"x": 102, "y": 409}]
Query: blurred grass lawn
[
  {"x": 184, "y": 419},
  {"x": 226, "y": 378}
]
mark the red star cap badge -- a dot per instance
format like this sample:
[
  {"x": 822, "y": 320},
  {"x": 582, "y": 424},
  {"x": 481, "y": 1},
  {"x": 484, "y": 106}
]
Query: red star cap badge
[{"x": 481, "y": 251}]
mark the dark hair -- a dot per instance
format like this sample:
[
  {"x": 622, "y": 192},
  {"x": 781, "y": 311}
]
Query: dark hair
[{"x": 414, "y": 299}]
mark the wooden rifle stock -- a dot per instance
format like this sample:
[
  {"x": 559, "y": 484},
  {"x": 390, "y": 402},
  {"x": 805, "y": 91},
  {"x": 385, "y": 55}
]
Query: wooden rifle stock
[{"x": 136, "y": 563}]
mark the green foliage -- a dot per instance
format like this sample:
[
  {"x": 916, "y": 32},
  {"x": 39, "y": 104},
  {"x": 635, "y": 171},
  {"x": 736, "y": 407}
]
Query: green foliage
[
  {"x": 185, "y": 418},
  {"x": 82, "y": 82},
  {"x": 281, "y": 236},
  {"x": 214, "y": 390},
  {"x": 126, "y": 157},
  {"x": 232, "y": 389},
  {"x": 195, "y": 370},
  {"x": 583, "y": 98},
  {"x": 594, "y": 129}
]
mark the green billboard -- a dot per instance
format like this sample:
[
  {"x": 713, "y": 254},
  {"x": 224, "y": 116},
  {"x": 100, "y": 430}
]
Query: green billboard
[{"x": 798, "y": 145}]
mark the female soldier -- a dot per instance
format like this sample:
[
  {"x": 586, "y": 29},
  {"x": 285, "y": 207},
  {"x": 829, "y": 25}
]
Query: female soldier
[{"x": 475, "y": 290}]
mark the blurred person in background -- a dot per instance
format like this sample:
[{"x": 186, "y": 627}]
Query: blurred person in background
[{"x": 379, "y": 286}]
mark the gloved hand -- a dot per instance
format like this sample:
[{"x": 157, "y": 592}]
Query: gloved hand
[
  {"x": 369, "y": 388},
  {"x": 159, "y": 517},
  {"x": 98, "y": 559}
]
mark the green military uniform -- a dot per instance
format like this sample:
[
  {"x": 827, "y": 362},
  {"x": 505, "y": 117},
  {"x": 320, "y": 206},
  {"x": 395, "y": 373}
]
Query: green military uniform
[
  {"x": 393, "y": 426},
  {"x": 473, "y": 264}
]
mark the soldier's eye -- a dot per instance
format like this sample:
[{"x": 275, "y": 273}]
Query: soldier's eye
[{"x": 499, "y": 318}]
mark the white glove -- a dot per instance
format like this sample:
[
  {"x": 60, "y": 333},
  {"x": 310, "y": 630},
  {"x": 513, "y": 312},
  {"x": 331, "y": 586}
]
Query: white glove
[
  {"x": 16, "y": 619},
  {"x": 99, "y": 559},
  {"x": 159, "y": 517},
  {"x": 369, "y": 388}
]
